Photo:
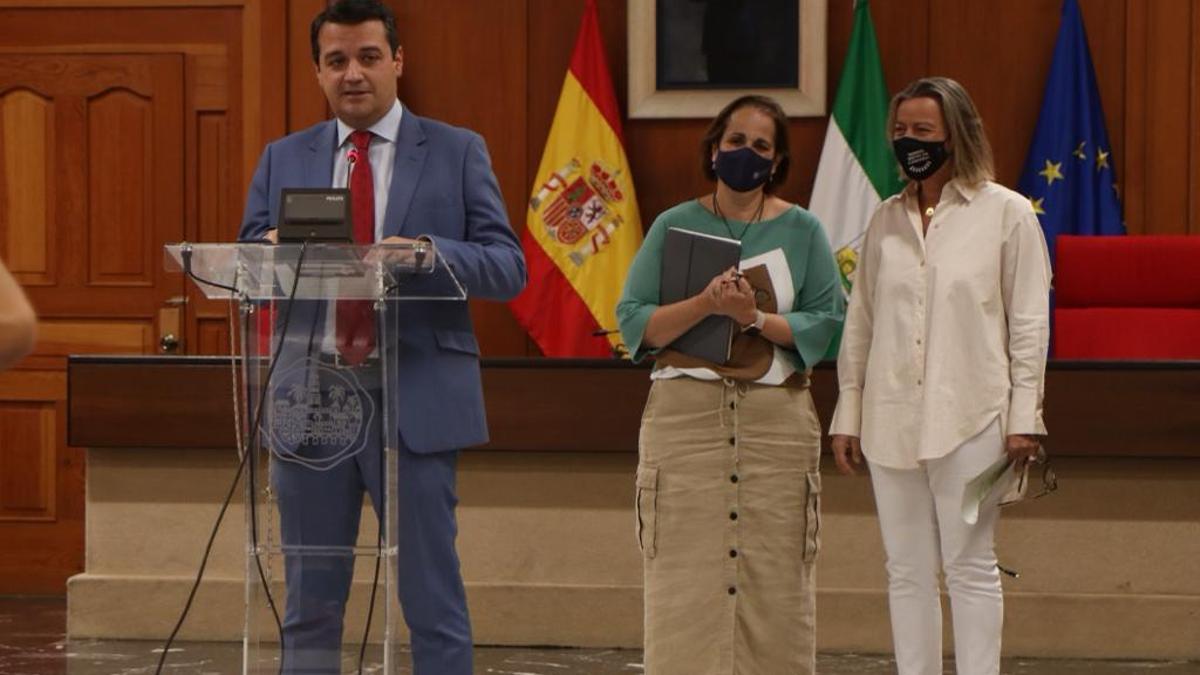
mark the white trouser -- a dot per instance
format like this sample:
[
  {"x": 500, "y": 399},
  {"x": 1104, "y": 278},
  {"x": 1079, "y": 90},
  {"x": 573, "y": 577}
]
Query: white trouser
[{"x": 920, "y": 515}]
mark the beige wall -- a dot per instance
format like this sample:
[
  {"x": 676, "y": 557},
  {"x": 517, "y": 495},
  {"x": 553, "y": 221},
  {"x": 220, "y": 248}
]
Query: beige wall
[{"x": 1108, "y": 564}]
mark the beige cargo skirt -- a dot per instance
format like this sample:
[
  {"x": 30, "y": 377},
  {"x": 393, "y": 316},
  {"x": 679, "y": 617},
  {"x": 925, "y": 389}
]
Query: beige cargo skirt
[{"x": 728, "y": 520}]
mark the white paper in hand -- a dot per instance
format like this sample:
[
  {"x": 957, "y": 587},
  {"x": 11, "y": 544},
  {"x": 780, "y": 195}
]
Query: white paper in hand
[{"x": 979, "y": 487}]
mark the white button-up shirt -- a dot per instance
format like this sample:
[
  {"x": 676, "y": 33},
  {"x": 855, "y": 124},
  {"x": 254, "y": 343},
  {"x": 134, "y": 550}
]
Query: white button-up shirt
[
  {"x": 382, "y": 154},
  {"x": 948, "y": 330}
]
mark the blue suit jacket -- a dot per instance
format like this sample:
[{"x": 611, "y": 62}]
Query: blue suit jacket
[{"x": 443, "y": 188}]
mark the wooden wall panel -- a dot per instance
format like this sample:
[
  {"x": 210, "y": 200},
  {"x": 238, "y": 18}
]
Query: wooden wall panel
[
  {"x": 456, "y": 52},
  {"x": 212, "y": 179},
  {"x": 197, "y": 414},
  {"x": 213, "y": 336},
  {"x": 27, "y": 452},
  {"x": 152, "y": 89},
  {"x": 1168, "y": 76},
  {"x": 213, "y": 193},
  {"x": 1161, "y": 122},
  {"x": 208, "y": 71},
  {"x": 120, "y": 194},
  {"x": 904, "y": 33},
  {"x": 261, "y": 47},
  {"x": 1105, "y": 23},
  {"x": 26, "y": 148},
  {"x": 41, "y": 523},
  {"x": 116, "y": 157},
  {"x": 1003, "y": 76},
  {"x": 1173, "y": 183},
  {"x": 306, "y": 104},
  {"x": 59, "y": 337},
  {"x": 1133, "y": 193}
]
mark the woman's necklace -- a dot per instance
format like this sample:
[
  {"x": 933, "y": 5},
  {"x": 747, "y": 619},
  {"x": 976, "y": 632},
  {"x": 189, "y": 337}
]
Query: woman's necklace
[
  {"x": 757, "y": 217},
  {"x": 928, "y": 209}
]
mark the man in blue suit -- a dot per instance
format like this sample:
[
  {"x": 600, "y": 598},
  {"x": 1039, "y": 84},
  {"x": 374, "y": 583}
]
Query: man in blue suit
[{"x": 428, "y": 181}]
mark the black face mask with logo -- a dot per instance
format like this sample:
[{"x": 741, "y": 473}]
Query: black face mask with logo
[
  {"x": 743, "y": 169},
  {"x": 920, "y": 159}
]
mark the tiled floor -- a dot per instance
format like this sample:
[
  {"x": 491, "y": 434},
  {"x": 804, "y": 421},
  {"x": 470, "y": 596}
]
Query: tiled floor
[{"x": 32, "y": 642}]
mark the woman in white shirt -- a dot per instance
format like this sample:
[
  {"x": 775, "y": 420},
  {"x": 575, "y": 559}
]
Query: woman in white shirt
[{"x": 941, "y": 370}]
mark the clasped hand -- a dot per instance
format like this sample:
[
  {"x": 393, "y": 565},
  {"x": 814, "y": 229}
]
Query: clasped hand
[
  {"x": 389, "y": 256},
  {"x": 729, "y": 294},
  {"x": 1021, "y": 449}
]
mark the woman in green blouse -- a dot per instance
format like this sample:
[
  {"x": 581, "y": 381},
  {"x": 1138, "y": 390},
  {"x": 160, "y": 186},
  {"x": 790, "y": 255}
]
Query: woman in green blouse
[{"x": 728, "y": 507}]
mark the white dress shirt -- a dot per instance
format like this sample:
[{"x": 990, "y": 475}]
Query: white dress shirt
[
  {"x": 381, "y": 152},
  {"x": 948, "y": 330}
]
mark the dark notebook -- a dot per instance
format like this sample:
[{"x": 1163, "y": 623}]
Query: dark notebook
[{"x": 690, "y": 260}]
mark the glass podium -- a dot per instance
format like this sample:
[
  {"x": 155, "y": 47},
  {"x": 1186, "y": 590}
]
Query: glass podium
[{"x": 319, "y": 327}]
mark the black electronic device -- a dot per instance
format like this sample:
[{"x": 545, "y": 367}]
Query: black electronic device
[{"x": 315, "y": 214}]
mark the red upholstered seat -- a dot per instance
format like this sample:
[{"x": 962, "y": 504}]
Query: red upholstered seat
[{"x": 1127, "y": 298}]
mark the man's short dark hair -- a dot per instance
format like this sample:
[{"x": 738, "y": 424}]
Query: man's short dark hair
[{"x": 353, "y": 12}]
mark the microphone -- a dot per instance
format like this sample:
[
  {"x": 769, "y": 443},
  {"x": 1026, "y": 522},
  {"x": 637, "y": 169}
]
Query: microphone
[
  {"x": 618, "y": 350},
  {"x": 352, "y": 156}
]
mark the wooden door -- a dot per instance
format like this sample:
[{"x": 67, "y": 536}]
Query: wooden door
[{"x": 91, "y": 187}]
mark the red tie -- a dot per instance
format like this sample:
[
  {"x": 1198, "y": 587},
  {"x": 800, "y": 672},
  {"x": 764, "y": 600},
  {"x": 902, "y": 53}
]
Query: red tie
[{"x": 356, "y": 318}]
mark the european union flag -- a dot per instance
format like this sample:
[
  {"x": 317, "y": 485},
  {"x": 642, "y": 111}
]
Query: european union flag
[{"x": 1069, "y": 173}]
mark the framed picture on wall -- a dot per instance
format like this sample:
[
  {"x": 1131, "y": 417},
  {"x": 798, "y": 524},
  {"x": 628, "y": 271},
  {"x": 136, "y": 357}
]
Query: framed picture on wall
[{"x": 688, "y": 58}]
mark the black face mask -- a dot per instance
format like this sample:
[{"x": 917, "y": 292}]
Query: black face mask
[
  {"x": 743, "y": 169},
  {"x": 920, "y": 159}
]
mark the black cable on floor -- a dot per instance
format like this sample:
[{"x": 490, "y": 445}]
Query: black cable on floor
[
  {"x": 162, "y": 659},
  {"x": 383, "y": 522},
  {"x": 255, "y": 439},
  {"x": 362, "y": 649}
]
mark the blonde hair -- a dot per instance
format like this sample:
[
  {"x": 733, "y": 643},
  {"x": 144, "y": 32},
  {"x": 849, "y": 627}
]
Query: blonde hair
[{"x": 968, "y": 144}]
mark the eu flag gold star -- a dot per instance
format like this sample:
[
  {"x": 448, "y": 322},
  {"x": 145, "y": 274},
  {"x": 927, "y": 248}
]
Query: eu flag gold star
[
  {"x": 1101, "y": 160},
  {"x": 1037, "y": 205},
  {"x": 1079, "y": 151},
  {"x": 1052, "y": 172}
]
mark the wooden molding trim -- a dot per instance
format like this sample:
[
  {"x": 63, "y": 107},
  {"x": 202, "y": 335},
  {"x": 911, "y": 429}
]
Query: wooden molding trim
[{"x": 1093, "y": 408}]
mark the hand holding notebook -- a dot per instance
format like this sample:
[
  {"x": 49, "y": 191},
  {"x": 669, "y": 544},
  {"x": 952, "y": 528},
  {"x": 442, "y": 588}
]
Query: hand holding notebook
[{"x": 690, "y": 262}]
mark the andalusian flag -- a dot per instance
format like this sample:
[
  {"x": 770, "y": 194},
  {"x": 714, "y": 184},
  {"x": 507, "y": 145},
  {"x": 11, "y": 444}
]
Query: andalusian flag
[
  {"x": 582, "y": 228},
  {"x": 857, "y": 169}
]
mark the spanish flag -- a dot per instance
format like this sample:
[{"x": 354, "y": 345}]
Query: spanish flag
[{"x": 582, "y": 228}]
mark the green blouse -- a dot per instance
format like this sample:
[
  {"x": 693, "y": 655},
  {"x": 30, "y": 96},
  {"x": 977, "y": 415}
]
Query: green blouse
[{"x": 797, "y": 253}]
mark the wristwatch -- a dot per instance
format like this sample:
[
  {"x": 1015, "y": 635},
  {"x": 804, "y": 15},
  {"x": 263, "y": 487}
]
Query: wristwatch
[{"x": 760, "y": 320}]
